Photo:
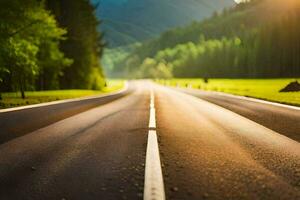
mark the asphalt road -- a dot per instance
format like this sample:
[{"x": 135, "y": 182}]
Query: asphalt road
[
  {"x": 207, "y": 152},
  {"x": 16, "y": 122},
  {"x": 278, "y": 118}
]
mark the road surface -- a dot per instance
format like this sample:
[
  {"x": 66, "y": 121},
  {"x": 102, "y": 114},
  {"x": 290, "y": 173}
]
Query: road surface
[
  {"x": 206, "y": 152},
  {"x": 283, "y": 119}
]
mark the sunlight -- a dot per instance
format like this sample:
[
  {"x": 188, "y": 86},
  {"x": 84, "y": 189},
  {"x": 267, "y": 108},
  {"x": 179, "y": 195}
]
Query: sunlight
[
  {"x": 287, "y": 5},
  {"x": 240, "y": 1}
]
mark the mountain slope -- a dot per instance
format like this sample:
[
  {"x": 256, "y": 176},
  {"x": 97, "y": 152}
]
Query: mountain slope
[
  {"x": 246, "y": 41},
  {"x": 128, "y": 21}
]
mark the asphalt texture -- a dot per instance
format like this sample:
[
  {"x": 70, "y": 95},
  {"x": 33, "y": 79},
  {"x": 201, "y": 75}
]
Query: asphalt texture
[
  {"x": 280, "y": 119},
  {"x": 207, "y": 152},
  {"x": 98, "y": 154}
]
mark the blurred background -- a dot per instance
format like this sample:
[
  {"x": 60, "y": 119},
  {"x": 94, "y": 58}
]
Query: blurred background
[{"x": 83, "y": 45}]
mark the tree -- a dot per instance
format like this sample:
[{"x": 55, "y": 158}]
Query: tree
[
  {"x": 22, "y": 63},
  {"x": 83, "y": 44},
  {"x": 27, "y": 31},
  {"x": 247, "y": 41}
]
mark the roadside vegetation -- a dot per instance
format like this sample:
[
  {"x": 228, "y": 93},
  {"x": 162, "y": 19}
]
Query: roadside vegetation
[
  {"x": 267, "y": 89},
  {"x": 14, "y": 99},
  {"x": 254, "y": 39},
  {"x": 49, "y": 45}
]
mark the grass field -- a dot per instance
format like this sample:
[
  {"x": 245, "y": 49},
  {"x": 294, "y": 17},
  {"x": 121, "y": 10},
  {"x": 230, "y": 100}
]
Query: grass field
[
  {"x": 14, "y": 99},
  {"x": 267, "y": 89}
]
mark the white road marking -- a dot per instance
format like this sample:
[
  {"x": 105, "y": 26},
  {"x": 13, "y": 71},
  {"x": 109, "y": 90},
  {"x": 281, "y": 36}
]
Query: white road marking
[
  {"x": 257, "y": 100},
  {"x": 152, "y": 100},
  {"x": 152, "y": 121},
  {"x": 154, "y": 184},
  {"x": 126, "y": 86},
  {"x": 251, "y": 99}
]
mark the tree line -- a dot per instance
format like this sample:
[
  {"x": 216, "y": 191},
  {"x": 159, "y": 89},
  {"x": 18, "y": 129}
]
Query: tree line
[
  {"x": 247, "y": 41},
  {"x": 49, "y": 44}
]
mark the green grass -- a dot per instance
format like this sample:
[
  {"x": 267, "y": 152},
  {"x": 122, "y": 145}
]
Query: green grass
[
  {"x": 267, "y": 89},
  {"x": 14, "y": 99}
]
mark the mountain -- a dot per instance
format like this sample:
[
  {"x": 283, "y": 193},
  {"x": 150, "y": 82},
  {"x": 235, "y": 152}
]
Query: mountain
[
  {"x": 254, "y": 39},
  {"x": 130, "y": 21}
]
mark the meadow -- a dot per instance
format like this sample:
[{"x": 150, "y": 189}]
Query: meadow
[
  {"x": 267, "y": 89},
  {"x": 13, "y": 99}
]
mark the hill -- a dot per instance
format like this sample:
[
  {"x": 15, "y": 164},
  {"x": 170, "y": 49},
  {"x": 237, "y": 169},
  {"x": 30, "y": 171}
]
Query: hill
[
  {"x": 129, "y": 21},
  {"x": 253, "y": 39}
]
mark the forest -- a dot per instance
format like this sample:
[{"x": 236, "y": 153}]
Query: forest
[
  {"x": 254, "y": 39},
  {"x": 49, "y": 45}
]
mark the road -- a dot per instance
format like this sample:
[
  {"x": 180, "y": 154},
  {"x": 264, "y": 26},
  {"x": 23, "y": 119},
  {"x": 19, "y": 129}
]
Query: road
[
  {"x": 206, "y": 152},
  {"x": 282, "y": 118}
]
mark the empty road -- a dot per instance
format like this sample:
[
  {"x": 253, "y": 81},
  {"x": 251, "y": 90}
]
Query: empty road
[{"x": 206, "y": 151}]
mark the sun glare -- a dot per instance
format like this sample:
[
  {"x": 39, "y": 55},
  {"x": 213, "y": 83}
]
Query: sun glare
[{"x": 240, "y": 1}]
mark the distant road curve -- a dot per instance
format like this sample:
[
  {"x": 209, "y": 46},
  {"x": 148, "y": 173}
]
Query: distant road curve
[
  {"x": 16, "y": 122},
  {"x": 278, "y": 117}
]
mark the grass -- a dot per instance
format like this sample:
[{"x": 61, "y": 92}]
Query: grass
[
  {"x": 13, "y": 99},
  {"x": 267, "y": 89}
]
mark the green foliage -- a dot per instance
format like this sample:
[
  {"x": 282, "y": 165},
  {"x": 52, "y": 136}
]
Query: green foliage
[
  {"x": 113, "y": 60},
  {"x": 51, "y": 62},
  {"x": 129, "y": 21},
  {"x": 83, "y": 44},
  {"x": 12, "y": 99},
  {"x": 245, "y": 41},
  {"x": 22, "y": 62},
  {"x": 231, "y": 23},
  {"x": 267, "y": 89},
  {"x": 33, "y": 48},
  {"x": 150, "y": 68},
  {"x": 29, "y": 44}
]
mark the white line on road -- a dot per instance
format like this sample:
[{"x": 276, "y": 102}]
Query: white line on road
[
  {"x": 251, "y": 99},
  {"x": 152, "y": 99},
  {"x": 257, "y": 100},
  {"x": 126, "y": 87},
  {"x": 154, "y": 184},
  {"x": 152, "y": 121}
]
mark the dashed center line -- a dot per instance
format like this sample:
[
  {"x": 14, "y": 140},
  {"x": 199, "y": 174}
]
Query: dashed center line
[{"x": 154, "y": 185}]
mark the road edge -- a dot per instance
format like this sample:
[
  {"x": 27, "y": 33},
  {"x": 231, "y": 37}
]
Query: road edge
[
  {"x": 124, "y": 89},
  {"x": 16, "y": 122},
  {"x": 252, "y": 99}
]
